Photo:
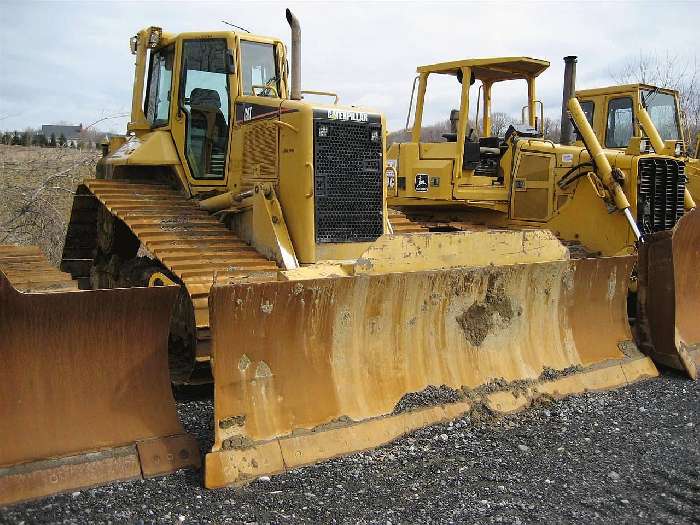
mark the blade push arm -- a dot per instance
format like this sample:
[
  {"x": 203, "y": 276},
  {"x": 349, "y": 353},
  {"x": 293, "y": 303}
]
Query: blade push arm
[{"x": 611, "y": 177}]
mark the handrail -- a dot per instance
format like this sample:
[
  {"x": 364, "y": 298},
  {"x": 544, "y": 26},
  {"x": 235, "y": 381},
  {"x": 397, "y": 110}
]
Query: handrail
[
  {"x": 410, "y": 104},
  {"x": 322, "y": 93}
]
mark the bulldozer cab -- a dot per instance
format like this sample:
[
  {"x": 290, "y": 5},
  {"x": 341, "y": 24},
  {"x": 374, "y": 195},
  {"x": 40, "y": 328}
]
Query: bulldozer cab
[
  {"x": 201, "y": 88},
  {"x": 213, "y": 113},
  {"x": 615, "y": 114},
  {"x": 473, "y": 161}
]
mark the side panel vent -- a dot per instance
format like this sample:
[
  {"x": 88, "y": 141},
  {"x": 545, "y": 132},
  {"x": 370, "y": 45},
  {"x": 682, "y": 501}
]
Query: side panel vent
[{"x": 259, "y": 155}]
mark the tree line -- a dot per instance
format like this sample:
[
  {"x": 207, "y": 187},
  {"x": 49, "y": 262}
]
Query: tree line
[{"x": 31, "y": 137}]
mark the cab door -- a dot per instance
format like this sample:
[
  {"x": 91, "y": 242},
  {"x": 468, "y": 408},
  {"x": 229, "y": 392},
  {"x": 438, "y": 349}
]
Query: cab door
[
  {"x": 620, "y": 125},
  {"x": 203, "y": 118}
]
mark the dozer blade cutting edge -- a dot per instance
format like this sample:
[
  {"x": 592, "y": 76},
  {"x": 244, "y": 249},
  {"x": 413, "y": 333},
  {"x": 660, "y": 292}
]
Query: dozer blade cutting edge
[
  {"x": 668, "y": 324},
  {"x": 85, "y": 394},
  {"x": 309, "y": 370}
]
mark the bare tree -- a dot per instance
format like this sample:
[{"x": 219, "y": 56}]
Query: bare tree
[
  {"x": 500, "y": 122},
  {"x": 671, "y": 71},
  {"x": 551, "y": 129},
  {"x": 430, "y": 133}
]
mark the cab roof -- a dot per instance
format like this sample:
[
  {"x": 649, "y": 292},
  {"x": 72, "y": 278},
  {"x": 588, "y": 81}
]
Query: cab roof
[
  {"x": 624, "y": 88},
  {"x": 492, "y": 69}
]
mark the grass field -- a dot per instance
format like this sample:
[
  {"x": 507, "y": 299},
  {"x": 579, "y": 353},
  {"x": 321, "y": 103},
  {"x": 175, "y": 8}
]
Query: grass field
[{"x": 36, "y": 191}]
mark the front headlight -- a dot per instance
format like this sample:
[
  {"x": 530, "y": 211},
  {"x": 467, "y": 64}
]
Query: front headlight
[
  {"x": 645, "y": 145},
  {"x": 678, "y": 150}
]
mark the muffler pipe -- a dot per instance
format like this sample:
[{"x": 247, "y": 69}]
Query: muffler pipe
[
  {"x": 293, "y": 22},
  {"x": 568, "y": 92}
]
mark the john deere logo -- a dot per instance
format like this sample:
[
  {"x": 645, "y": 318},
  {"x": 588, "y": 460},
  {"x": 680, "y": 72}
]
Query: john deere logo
[{"x": 421, "y": 184}]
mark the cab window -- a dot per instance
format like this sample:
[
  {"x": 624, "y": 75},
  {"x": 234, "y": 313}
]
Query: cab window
[
  {"x": 620, "y": 124},
  {"x": 204, "y": 98},
  {"x": 662, "y": 111},
  {"x": 588, "y": 107},
  {"x": 159, "y": 83},
  {"x": 259, "y": 69}
]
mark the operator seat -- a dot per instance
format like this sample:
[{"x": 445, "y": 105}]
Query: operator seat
[{"x": 206, "y": 115}]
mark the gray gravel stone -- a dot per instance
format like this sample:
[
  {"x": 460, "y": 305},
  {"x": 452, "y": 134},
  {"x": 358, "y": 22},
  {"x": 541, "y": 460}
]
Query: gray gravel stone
[{"x": 477, "y": 476}]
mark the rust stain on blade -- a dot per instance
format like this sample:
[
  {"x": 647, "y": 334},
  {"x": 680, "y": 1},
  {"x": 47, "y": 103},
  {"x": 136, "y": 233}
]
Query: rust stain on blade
[
  {"x": 669, "y": 296},
  {"x": 686, "y": 262},
  {"x": 82, "y": 371}
]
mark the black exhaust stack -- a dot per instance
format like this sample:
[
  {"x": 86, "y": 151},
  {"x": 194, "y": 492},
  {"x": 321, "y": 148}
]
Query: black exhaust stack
[
  {"x": 568, "y": 92},
  {"x": 296, "y": 55}
]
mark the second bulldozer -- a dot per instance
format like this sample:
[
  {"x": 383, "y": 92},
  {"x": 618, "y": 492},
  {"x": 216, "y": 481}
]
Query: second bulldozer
[
  {"x": 598, "y": 201},
  {"x": 323, "y": 331}
]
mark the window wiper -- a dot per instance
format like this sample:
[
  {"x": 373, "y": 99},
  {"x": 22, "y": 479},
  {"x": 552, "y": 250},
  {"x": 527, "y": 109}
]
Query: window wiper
[{"x": 648, "y": 96}]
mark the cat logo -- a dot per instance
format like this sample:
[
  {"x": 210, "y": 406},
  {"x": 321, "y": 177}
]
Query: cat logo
[
  {"x": 342, "y": 114},
  {"x": 247, "y": 113},
  {"x": 421, "y": 184}
]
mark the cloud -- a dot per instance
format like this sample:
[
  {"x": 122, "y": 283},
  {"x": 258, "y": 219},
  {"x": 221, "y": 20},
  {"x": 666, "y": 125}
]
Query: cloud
[{"x": 69, "y": 61}]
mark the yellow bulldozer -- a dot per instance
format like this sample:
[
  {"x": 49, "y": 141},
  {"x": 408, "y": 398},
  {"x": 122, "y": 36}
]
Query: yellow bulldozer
[
  {"x": 625, "y": 114},
  {"x": 598, "y": 201},
  {"x": 323, "y": 332}
]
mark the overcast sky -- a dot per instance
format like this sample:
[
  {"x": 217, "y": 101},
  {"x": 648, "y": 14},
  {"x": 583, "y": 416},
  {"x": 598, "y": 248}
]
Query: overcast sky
[{"x": 70, "y": 61}]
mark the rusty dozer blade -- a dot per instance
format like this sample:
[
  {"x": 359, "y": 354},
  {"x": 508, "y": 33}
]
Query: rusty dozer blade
[
  {"x": 309, "y": 370},
  {"x": 668, "y": 299},
  {"x": 85, "y": 394}
]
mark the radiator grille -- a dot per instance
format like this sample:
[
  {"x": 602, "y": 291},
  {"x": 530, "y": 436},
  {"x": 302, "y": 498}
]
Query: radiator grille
[
  {"x": 660, "y": 199},
  {"x": 348, "y": 184}
]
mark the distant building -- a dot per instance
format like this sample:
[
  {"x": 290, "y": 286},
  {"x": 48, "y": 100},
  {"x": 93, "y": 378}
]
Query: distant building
[
  {"x": 73, "y": 134},
  {"x": 76, "y": 136}
]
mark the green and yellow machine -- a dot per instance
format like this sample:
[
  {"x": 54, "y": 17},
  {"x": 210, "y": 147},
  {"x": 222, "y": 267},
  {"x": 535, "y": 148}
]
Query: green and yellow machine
[{"x": 599, "y": 201}]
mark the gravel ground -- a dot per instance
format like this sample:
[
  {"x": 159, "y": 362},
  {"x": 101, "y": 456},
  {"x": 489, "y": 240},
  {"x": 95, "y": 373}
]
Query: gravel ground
[{"x": 625, "y": 456}]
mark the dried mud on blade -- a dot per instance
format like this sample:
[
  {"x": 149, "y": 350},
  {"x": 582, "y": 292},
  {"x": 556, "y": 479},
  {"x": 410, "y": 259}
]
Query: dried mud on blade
[
  {"x": 308, "y": 370},
  {"x": 668, "y": 300},
  {"x": 85, "y": 395}
]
